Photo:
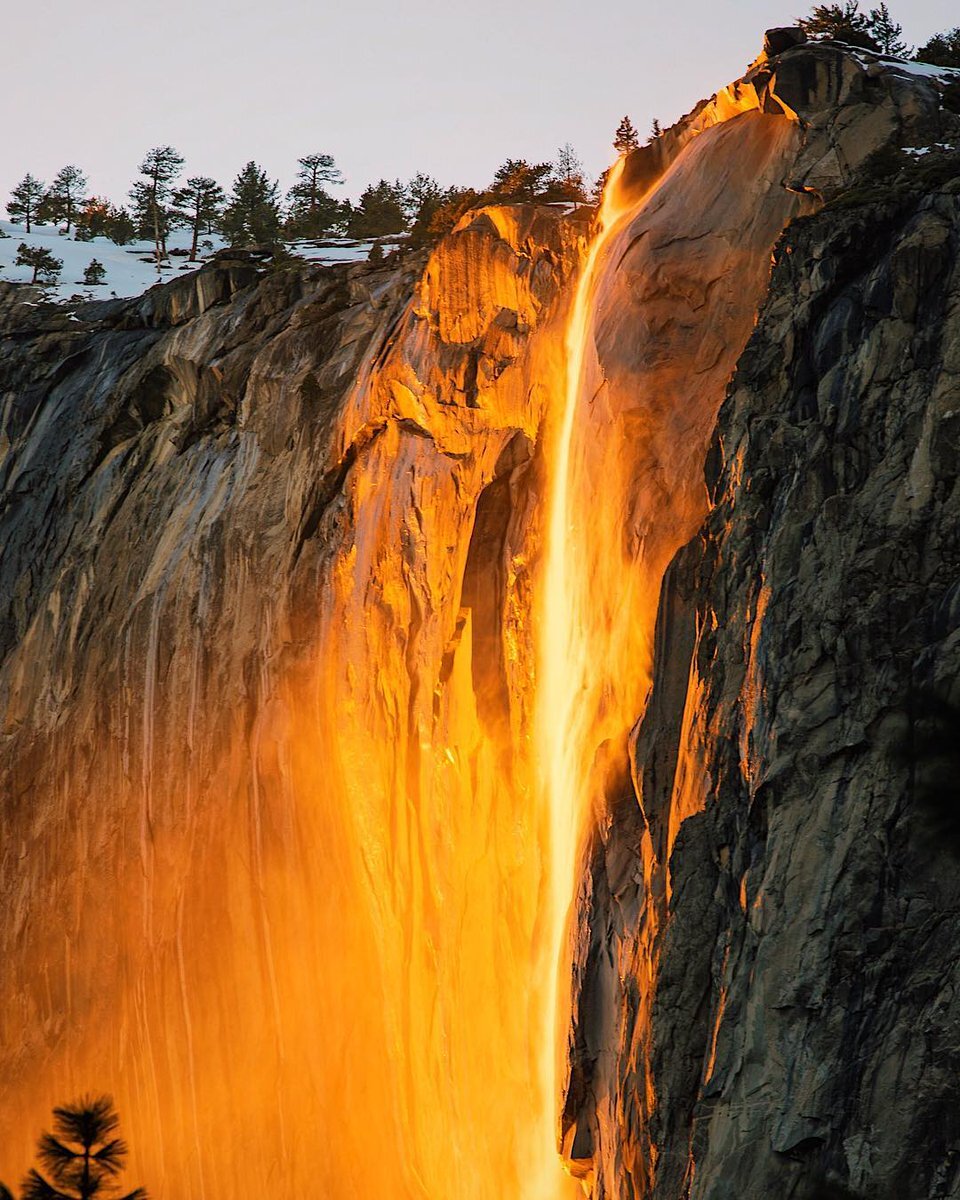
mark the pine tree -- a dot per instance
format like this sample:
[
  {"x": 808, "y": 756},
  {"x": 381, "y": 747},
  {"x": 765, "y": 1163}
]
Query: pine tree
[
  {"x": 422, "y": 196},
  {"x": 626, "y": 137},
  {"x": 160, "y": 167},
  {"x": 94, "y": 273},
  {"x": 91, "y": 220},
  {"x": 837, "y": 23},
  {"x": 568, "y": 175},
  {"x": 65, "y": 195},
  {"x": 942, "y": 50},
  {"x": 119, "y": 226},
  {"x": 83, "y": 1156},
  {"x": 41, "y": 260},
  {"x": 25, "y": 199},
  {"x": 380, "y": 211},
  {"x": 519, "y": 181},
  {"x": 312, "y": 210},
  {"x": 887, "y": 33},
  {"x": 437, "y": 218},
  {"x": 655, "y": 131},
  {"x": 598, "y": 188},
  {"x": 198, "y": 204},
  {"x": 253, "y": 213}
]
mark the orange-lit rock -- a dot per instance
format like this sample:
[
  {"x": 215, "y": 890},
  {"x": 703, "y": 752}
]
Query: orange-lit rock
[
  {"x": 357, "y": 842},
  {"x": 270, "y": 860}
]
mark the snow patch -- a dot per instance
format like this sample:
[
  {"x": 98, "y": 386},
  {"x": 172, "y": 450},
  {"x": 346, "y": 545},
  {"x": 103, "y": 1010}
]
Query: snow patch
[{"x": 131, "y": 269}]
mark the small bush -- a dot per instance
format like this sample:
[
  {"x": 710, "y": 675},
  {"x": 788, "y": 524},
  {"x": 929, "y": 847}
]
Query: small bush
[{"x": 95, "y": 273}]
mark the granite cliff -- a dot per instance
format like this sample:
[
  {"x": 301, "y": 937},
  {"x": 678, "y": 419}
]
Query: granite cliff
[{"x": 278, "y": 866}]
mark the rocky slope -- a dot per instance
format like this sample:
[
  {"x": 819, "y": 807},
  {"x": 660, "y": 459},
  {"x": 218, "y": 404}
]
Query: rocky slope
[{"x": 273, "y": 853}]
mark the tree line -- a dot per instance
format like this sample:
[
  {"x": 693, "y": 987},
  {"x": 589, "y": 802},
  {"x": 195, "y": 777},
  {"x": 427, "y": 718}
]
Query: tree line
[
  {"x": 253, "y": 212},
  {"x": 876, "y": 29}
]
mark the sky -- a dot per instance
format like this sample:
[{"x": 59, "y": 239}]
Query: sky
[{"x": 444, "y": 86}]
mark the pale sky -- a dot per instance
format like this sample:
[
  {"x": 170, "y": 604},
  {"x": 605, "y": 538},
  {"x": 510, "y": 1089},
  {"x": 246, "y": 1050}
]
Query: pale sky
[{"x": 452, "y": 88}]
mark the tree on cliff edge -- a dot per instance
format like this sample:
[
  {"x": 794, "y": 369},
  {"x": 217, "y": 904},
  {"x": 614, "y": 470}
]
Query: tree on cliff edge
[
  {"x": 840, "y": 23},
  {"x": 252, "y": 215},
  {"x": 160, "y": 168},
  {"x": 312, "y": 210},
  {"x": 198, "y": 205},
  {"x": 626, "y": 138},
  {"x": 83, "y": 1157},
  {"x": 942, "y": 50}
]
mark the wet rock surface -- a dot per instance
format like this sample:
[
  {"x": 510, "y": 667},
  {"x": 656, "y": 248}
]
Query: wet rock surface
[
  {"x": 237, "y": 519},
  {"x": 268, "y": 552},
  {"x": 806, "y": 1026}
]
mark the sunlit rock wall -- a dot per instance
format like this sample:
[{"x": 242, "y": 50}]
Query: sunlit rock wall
[
  {"x": 766, "y": 982},
  {"x": 270, "y": 869},
  {"x": 275, "y": 859}
]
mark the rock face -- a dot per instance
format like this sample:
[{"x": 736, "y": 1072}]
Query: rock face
[
  {"x": 807, "y": 1006},
  {"x": 274, "y": 853},
  {"x": 261, "y": 581}
]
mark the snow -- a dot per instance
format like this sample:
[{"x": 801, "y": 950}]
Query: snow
[
  {"x": 127, "y": 274},
  {"x": 921, "y": 70}
]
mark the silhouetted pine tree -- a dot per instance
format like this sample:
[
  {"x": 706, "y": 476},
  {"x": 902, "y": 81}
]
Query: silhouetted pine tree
[
  {"x": 41, "y": 261},
  {"x": 198, "y": 205},
  {"x": 568, "y": 174},
  {"x": 65, "y": 195},
  {"x": 94, "y": 272},
  {"x": 887, "y": 33},
  {"x": 942, "y": 50},
  {"x": 83, "y": 1157},
  {"x": 840, "y": 23},
  {"x": 253, "y": 213},
  {"x": 160, "y": 167},
  {"x": 25, "y": 199},
  {"x": 380, "y": 211},
  {"x": 422, "y": 196},
  {"x": 520, "y": 181},
  {"x": 626, "y": 138},
  {"x": 312, "y": 211}
]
